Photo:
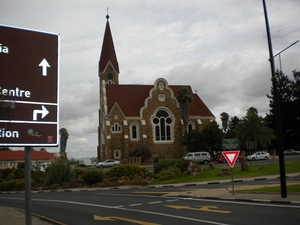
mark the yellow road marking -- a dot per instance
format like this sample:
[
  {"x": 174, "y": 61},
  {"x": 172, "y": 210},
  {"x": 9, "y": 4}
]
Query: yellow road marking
[
  {"x": 203, "y": 208},
  {"x": 114, "y": 218}
]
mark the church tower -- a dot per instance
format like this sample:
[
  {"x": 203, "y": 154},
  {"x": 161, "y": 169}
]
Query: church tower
[
  {"x": 108, "y": 72},
  {"x": 108, "y": 63}
]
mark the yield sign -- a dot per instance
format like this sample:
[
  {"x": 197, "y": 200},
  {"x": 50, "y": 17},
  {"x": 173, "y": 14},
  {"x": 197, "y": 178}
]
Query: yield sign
[{"x": 231, "y": 157}]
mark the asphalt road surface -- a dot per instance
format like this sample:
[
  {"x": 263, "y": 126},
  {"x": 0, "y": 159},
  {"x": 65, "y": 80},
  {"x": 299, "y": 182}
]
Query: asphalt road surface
[{"x": 150, "y": 206}]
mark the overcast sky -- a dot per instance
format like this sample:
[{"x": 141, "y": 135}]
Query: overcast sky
[{"x": 219, "y": 47}]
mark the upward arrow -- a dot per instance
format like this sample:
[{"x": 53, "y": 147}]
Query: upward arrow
[{"x": 44, "y": 64}]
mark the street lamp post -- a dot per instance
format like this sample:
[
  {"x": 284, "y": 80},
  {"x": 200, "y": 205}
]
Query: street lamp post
[
  {"x": 277, "y": 109},
  {"x": 278, "y": 54}
]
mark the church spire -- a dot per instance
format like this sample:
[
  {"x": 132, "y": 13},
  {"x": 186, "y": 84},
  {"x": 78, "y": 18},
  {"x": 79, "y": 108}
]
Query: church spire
[{"x": 108, "y": 53}]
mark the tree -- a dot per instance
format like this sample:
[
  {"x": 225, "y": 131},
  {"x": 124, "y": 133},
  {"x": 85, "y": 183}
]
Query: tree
[
  {"x": 193, "y": 141},
  {"x": 224, "y": 119},
  {"x": 289, "y": 101},
  {"x": 252, "y": 110},
  {"x": 184, "y": 97},
  {"x": 212, "y": 137},
  {"x": 233, "y": 123},
  {"x": 254, "y": 128},
  {"x": 64, "y": 135}
]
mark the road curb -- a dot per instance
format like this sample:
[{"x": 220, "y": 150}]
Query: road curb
[{"x": 151, "y": 186}]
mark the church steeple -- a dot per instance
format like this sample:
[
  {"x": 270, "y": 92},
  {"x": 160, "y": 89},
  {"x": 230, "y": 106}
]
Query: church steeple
[{"x": 108, "y": 54}]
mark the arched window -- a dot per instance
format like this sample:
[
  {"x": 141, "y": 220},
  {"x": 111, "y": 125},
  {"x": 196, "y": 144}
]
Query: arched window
[
  {"x": 116, "y": 128},
  {"x": 190, "y": 127},
  {"x": 162, "y": 126},
  {"x": 134, "y": 131}
]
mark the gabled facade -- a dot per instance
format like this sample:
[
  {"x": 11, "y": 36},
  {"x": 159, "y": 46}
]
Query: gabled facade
[{"x": 131, "y": 116}]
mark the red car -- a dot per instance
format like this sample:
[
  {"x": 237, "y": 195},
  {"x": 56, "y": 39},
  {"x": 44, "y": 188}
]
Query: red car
[{"x": 223, "y": 160}]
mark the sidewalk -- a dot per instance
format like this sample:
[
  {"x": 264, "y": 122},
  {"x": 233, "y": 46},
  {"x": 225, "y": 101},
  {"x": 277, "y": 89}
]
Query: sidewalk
[
  {"x": 238, "y": 195},
  {"x": 227, "y": 194},
  {"x": 15, "y": 216}
]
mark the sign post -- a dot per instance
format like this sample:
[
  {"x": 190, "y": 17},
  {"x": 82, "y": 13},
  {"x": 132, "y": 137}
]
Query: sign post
[
  {"x": 29, "y": 107},
  {"x": 231, "y": 157}
]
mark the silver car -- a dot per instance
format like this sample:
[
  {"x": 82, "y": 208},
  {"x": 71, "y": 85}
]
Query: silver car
[
  {"x": 291, "y": 152},
  {"x": 198, "y": 157},
  {"x": 108, "y": 163},
  {"x": 258, "y": 156}
]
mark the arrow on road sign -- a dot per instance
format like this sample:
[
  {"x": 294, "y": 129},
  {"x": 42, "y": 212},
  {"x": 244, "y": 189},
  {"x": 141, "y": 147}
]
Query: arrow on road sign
[
  {"x": 44, "y": 112},
  {"x": 44, "y": 64},
  {"x": 231, "y": 157}
]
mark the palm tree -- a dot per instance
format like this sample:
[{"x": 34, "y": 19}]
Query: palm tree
[
  {"x": 224, "y": 118},
  {"x": 64, "y": 135},
  {"x": 184, "y": 97},
  {"x": 254, "y": 128},
  {"x": 252, "y": 110}
]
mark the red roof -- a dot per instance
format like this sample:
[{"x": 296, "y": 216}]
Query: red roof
[
  {"x": 131, "y": 98},
  {"x": 19, "y": 155}
]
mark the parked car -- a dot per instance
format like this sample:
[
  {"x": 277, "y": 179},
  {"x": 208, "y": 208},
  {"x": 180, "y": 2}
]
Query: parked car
[
  {"x": 258, "y": 156},
  {"x": 198, "y": 157},
  {"x": 223, "y": 160},
  {"x": 291, "y": 152},
  {"x": 108, "y": 163}
]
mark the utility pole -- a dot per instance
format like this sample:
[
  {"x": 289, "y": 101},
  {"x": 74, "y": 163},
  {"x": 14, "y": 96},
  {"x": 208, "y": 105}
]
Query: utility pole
[{"x": 277, "y": 110}]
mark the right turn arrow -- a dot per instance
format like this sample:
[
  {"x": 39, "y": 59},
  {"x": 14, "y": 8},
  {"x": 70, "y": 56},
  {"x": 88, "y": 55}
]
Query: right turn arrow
[{"x": 44, "y": 112}]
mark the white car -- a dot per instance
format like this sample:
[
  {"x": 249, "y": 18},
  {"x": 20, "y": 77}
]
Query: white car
[
  {"x": 198, "y": 157},
  {"x": 291, "y": 152},
  {"x": 108, "y": 163},
  {"x": 258, "y": 156}
]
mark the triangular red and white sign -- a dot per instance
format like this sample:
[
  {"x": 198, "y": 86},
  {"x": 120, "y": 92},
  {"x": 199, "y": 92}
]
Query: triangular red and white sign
[{"x": 231, "y": 157}]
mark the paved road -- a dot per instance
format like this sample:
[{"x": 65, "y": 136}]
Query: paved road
[
  {"x": 134, "y": 206},
  {"x": 101, "y": 208}
]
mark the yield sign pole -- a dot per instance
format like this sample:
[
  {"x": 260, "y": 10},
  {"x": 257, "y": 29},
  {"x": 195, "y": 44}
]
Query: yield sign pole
[{"x": 231, "y": 157}]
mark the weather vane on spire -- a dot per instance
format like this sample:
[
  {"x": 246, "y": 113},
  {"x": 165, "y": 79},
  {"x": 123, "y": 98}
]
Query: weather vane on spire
[{"x": 107, "y": 16}]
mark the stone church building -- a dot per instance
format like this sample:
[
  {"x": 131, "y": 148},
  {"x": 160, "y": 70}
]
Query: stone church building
[{"x": 131, "y": 116}]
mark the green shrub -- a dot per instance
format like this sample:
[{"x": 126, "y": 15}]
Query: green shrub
[
  {"x": 81, "y": 165},
  {"x": 7, "y": 185},
  {"x": 168, "y": 173},
  {"x": 59, "y": 172},
  {"x": 19, "y": 174},
  {"x": 93, "y": 176},
  {"x": 128, "y": 170},
  {"x": 19, "y": 185},
  {"x": 38, "y": 178},
  {"x": 180, "y": 164},
  {"x": 6, "y": 172},
  {"x": 142, "y": 152},
  {"x": 78, "y": 172}
]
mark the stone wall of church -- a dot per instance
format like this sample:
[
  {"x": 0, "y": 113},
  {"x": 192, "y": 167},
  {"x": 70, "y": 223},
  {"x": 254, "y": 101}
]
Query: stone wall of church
[
  {"x": 121, "y": 140},
  {"x": 164, "y": 150}
]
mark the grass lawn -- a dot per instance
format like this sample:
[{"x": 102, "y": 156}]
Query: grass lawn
[{"x": 254, "y": 171}]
